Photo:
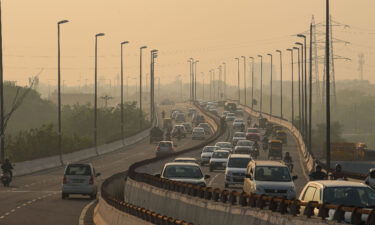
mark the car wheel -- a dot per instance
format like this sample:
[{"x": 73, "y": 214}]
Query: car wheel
[
  {"x": 93, "y": 196},
  {"x": 64, "y": 196}
]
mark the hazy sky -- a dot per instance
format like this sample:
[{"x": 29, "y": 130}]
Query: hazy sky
[{"x": 208, "y": 30}]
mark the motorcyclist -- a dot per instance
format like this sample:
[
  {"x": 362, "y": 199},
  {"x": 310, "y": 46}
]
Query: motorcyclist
[
  {"x": 7, "y": 167},
  {"x": 318, "y": 174},
  {"x": 370, "y": 179},
  {"x": 256, "y": 145},
  {"x": 288, "y": 160},
  {"x": 265, "y": 142},
  {"x": 179, "y": 134},
  {"x": 163, "y": 114},
  {"x": 249, "y": 121},
  {"x": 168, "y": 135},
  {"x": 242, "y": 127},
  {"x": 337, "y": 174}
]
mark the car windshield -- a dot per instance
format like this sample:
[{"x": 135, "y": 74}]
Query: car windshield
[
  {"x": 78, "y": 169},
  {"x": 209, "y": 149},
  {"x": 238, "y": 162},
  {"x": 350, "y": 196},
  {"x": 242, "y": 151},
  {"x": 272, "y": 173},
  {"x": 224, "y": 145},
  {"x": 220, "y": 155},
  {"x": 245, "y": 143},
  {"x": 183, "y": 171},
  {"x": 253, "y": 130},
  {"x": 165, "y": 144},
  {"x": 239, "y": 135}
]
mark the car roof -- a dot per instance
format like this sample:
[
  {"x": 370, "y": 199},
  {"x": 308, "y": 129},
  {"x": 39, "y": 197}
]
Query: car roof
[
  {"x": 185, "y": 158},
  {"x": 221, "y": 142},
  {"x": 275, "y": 141},
  {"x": 238, "y": 132},
  {"x": 240, "y": 156},
  {"x": 242, "y": 147},
  {"x": 79, "y": 164},
  {"x": 198, "y": 128},
  {"x": 245, "y": 141},
  {"x": 166, "y": 142},
  {"x": 181, "y": 163},
  {"x": 221, "y": 150},
  {"x": 338, "y": 183},
  {"x": 269, "y": 163}
]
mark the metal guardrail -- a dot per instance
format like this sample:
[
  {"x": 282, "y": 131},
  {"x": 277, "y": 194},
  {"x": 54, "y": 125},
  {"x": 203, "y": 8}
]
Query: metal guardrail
[
  {"x": 275, "y": 204},
  {"x": 116, "y": 200}
]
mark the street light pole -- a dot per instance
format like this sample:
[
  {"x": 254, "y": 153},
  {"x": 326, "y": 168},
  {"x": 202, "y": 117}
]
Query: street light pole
[
  {"x": 271, "y": 86},
  {"x": 238, "y": 79},
  {"x": 190, "y": 61},
  {"x": 211, "y": 85},
  {"x": 299, "y": 89},
  {"x": 244, "y": 77},
  {"x": 96, "y": 94},
  {"x": 154, "y": 54},
  {"x": 310, "y": 90},
  {"x": 58, "y": 90},
  {"x": 140, "y": 87},
  {"x": 281, "y": 83},
  {"x": 195, "y": 79},
  {"x": 261, "y": 82},
  {"x": 219, "y": 84},
  {"x": 292, "y": 69},
  {"x": 225, "y": 80},
  {"x": 302, "y": 90},
  {"x": 2, "y": 128},
  {"x": 252, "y": 82},
  {"x": 203, "y": 86},
  {"x": 122, "y": 92},
  {"x": 305, "y": 84}
]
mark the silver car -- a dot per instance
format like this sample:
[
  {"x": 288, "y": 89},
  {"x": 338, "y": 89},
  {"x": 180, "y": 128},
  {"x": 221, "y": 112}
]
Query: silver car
[{"x": 79, "y": 178}]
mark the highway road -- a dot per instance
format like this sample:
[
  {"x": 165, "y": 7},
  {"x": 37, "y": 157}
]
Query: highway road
[
  {"x": 36, "y": 199},
  {"x": 217, "y": 177}
]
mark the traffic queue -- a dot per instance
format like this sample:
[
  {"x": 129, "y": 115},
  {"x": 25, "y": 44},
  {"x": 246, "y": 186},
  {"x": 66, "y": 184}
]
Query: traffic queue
[{"x": 253, "y": 160}]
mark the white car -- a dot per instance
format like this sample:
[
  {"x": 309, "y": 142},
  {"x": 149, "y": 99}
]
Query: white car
[
  {"x": 207, "y": 128},
  {"x": 184, "y": 172},
  {"x": 79, "y": 178},
  {"x": 186, "y": 160},
  {"x": 230, "y": 117},
  {"x": 243, "y": 150},
  {"x": 165, "y": 148},
  {"x": 206, "y": 154},
  {"x": 269, "y": 178},
  {"x": 224, "y": 144},
  {"x": 238, "y": 136},
  {"x": 198, "y": 133},
  {"x": 339, "y": 192},
  {"x": 219, "y": 159},
  {"x": 235, "y": 171}
]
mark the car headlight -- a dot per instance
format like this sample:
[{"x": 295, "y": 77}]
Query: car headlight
[
  {"x": 260, "y": 190},
  {"x": 291, "y": 190}
]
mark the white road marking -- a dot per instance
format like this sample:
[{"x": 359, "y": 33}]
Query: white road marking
[
  {"x": 84, "y": 211},
  {"x": 212, "y": 180}
]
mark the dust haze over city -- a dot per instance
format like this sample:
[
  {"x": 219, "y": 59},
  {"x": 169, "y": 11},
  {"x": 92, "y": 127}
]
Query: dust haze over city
[{"x": 191, "y": 112}]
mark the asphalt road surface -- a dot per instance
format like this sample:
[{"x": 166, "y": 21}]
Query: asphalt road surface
[{"x": 36, "y": 199}]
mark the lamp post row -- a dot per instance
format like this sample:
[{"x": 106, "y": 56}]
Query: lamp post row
[{"x": 95, "y": 125}]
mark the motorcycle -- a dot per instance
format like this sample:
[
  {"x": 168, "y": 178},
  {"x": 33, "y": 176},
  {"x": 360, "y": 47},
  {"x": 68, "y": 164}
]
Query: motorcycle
[
  {"x": 290, "y": 166},
  {"x": 6, "y": 179},
  {"x": 265, "y": 146}
]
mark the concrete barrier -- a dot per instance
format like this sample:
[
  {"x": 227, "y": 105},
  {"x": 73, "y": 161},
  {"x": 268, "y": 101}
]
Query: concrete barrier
[
  {"x": 105, "y": 214},
  {"x": 308, "y": 158},
  {"x": 200, "y": 211}
]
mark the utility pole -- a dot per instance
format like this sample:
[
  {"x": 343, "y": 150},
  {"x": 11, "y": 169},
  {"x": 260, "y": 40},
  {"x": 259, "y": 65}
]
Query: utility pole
[
  {"x": 2, "y": 128},
  {"x": 328, "y": 103},
  {"x": 154, "y": 54},
  {"x": 299, "y": 89},
  {"x": 310, "y": 91},
  {"x": 225, "y": 80}
]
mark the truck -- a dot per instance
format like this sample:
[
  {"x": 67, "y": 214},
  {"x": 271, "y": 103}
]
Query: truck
[{"x": 346, "y": 151}]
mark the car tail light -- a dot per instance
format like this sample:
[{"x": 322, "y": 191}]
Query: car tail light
[
  {"x": 64, "y": 180},
  {"x": 91, "y": 180}
]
